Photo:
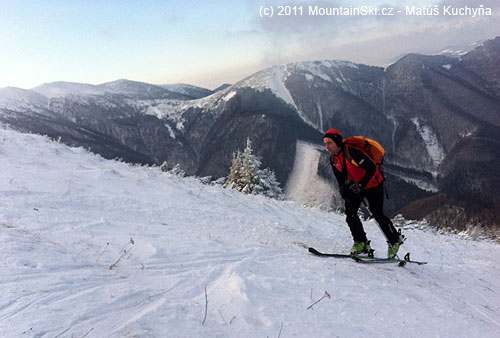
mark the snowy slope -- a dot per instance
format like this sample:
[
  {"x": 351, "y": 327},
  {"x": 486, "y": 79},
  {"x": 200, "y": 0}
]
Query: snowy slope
[
  {"x": 140, "y": 90},
  {"x": 61, "y": 89},
  {"x": 274, "y": 77},
  {"x": 97, "y": 248},
  {"x": 133, "y": 89},
  {"x": 434, "y": 148},
  {"x": 189, "y": 90},
  {"x": 12, "y": 98}
]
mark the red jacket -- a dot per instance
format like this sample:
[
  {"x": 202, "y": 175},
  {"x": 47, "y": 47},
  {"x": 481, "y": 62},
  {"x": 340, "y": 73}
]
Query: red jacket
[{"x": 360, "y": 169}]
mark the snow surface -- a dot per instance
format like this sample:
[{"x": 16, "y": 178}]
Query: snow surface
[
  {"x": 229, "y": 96},
  {"x": 98, "y": 248}
]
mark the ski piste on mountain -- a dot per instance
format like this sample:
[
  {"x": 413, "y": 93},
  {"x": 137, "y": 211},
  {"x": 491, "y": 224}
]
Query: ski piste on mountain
[{"x": 367, "y": 258}]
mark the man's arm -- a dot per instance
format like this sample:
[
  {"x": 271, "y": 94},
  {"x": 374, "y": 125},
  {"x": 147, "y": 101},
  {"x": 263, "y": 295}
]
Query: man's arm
[
  {"x": 363, "y": 161},
  {"x": 338, "y": 174}
]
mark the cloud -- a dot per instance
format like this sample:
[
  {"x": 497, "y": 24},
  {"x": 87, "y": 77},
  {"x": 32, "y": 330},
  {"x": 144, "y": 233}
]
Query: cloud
[
  {"x": 368, "y": 39},
  {"x": 298, "y": 24}
]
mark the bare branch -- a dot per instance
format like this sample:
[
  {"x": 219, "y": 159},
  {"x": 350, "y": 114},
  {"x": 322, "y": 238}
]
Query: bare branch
[
  {"x": 281, "y": 328},
  {"x": 325, "y": 295},
  {"x": 206, "y": 307}
]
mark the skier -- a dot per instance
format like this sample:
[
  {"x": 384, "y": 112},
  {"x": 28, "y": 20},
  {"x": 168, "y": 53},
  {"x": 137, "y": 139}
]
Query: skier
[{"x": 357, "y": 180}]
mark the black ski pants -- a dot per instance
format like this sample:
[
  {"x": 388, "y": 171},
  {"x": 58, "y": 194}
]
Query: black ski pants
[{"x": 375, "y": 197}]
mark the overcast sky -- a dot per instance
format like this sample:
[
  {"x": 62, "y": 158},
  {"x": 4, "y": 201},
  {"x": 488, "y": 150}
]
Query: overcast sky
[{"x": 207, "y": 43}]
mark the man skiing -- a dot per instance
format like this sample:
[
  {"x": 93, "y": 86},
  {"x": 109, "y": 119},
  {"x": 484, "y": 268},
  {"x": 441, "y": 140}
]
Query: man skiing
[{"x": 359, "y": 177}]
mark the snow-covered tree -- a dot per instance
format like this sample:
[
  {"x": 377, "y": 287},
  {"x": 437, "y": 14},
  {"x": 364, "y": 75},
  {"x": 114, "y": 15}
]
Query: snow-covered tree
[
  {"x": 270, "y": 184},
  {"x": 164, "y": 166},
  {"x": 235, "y": 172},
  {"x": 176, "y": 170},
  {"x": 246, "y": 176},
  {"x": 250, "y": 166}
]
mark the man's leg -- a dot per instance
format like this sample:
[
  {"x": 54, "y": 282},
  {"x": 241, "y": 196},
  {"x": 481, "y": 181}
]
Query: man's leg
[
  {"x": 353, "y": 221},
  {"x": 375, "y": 197}
]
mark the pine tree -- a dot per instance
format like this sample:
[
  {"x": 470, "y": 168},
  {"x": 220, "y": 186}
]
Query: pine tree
[
  {"x": 270, "y": 184},
  {"x": 246, "y": 176},
  {"x": 177, "y": 170},
  {"x": 235, "y": 172},
  {"x": 250, "y": 171}
]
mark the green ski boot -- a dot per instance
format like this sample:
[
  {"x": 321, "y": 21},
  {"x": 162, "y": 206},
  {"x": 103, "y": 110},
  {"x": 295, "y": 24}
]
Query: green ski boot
[
  {"x": 360, "y": 248},
  {"x": 392, "y": 249}
]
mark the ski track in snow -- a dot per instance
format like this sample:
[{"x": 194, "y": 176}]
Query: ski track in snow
[{"x": 66, "y": 216}]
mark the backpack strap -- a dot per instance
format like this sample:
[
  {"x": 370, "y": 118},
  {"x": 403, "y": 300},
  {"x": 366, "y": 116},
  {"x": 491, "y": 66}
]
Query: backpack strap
[
  {"x": 343, "y": 173},
  {"x": 363, "y": 164},
  {"x": 351, "y": 160},
  {"x": 344, "y": 167}
]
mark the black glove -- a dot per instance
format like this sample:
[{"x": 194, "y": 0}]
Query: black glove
[
  {"x": 353, "y": 187},
  {"x": 350, "y": 190}
]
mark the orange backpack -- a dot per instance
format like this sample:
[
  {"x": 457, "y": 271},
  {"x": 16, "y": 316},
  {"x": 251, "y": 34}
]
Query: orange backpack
[{"x": 371, "y": 147}]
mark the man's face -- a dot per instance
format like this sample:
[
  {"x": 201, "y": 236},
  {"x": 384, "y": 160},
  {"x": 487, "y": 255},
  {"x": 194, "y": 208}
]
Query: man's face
[{"x": 331, "y": 146}]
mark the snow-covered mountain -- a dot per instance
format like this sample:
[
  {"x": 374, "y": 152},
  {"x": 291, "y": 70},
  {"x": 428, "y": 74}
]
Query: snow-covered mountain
[
  {"x": 62, "y": 88},
  {"x": 99, "y": 248},
  {"x": 130, "y": 89},
  {"x": 141, "y": 90},
  {"x": 17, "y": 99},
  {"x": 282, "y": 78},
  {"x": 191, "y": 91},
  {"x": 430, "y": 113}
]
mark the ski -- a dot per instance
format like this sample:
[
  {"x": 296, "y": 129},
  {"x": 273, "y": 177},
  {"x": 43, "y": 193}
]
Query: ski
[
  {"x": 367, "y": 259},
  {"x": 357, "y": 258},
  {"x": 317, "y": 253}
]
